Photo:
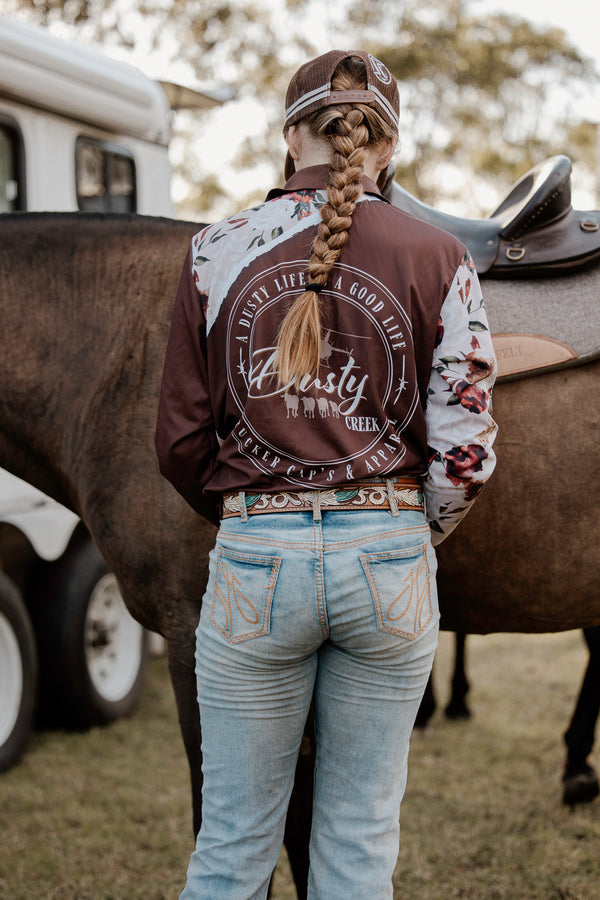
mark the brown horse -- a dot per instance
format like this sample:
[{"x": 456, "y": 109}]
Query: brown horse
[
  {"x": 85, "y": 306},
  {"x": 527, "y": 558},
  {"x": 85, "y": 303}
]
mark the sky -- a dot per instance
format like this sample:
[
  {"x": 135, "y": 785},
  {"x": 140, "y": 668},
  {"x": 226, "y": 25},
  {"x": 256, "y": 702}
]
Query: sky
[
  {"x": 578, "y": 18},
  {"x": 580, "y": 21}
]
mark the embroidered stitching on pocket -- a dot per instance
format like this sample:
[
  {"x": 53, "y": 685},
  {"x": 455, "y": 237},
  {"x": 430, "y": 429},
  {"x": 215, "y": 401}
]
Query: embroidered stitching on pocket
[
  {"x": 243, "y": 594},
  {"x": 400, "y": 584}
]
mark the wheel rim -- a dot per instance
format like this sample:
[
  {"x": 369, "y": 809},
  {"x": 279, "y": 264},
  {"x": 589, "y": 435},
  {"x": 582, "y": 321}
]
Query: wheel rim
[
  {"x": 113, "y": 642},
  {"x": 11, "y": 679}
]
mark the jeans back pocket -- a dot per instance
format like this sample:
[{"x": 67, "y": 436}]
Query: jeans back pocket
[
  {"x": 244, "y": 585},
  {"x": 400, "y": 585}
]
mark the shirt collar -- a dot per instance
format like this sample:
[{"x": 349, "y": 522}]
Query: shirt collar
[{"x": 316, "y": 177}]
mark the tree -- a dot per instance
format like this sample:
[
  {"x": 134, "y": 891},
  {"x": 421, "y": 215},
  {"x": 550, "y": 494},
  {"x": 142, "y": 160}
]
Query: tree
[
  {"x": 482, "y": 99},
  {"x": 481, "y": 96}
]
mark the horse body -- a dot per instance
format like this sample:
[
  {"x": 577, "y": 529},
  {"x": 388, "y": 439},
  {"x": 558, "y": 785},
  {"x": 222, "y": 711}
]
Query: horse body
[
  {"x": 86, "y": 303},
  {"x": 85, "y": 307},
  {"x": 527, "y": 557},
  {"x": 85, "y": 315}
]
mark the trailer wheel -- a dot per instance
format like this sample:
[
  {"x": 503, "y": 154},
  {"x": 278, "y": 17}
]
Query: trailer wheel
[
  {"x": 93, "y": 654},
  {"x": 18, "y": 674}
]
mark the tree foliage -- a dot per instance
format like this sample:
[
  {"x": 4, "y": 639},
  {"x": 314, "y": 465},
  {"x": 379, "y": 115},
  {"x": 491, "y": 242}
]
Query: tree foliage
[
  {"x": 482, "y": 98},
  {"x": 481, "y": 95}
]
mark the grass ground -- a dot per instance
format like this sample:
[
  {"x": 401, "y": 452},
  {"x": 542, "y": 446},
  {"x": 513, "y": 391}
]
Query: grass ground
[{"x": 105, "y": 815}]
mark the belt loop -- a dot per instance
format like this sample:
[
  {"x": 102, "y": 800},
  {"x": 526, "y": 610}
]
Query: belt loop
[
  {"x": 391, "y": 496},
  {"x": 316, "y": 499},
  {"x": 243, "y": 508}
]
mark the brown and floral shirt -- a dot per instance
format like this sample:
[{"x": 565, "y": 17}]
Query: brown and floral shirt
[{"x": 406, "y": 370}]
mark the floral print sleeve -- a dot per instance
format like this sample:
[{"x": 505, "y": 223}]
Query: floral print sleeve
[{"x": 460, "y": 427}]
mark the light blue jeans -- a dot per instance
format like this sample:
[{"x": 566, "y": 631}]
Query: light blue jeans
[{"x": 339, "y": 604}]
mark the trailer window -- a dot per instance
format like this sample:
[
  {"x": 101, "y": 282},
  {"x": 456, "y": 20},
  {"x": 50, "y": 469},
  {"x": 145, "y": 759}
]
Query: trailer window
[
  {"x": 9, "y": 169},
  {"x": 105, "y": 176}
]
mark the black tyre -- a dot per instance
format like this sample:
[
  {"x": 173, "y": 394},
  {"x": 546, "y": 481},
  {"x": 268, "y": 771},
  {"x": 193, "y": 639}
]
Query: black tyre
[
  {"x": 18, "y": 674},
  {"x": 93, "y": 654}
]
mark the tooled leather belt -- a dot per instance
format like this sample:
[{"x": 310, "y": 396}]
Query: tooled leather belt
[{"x": 407, "y": 493}]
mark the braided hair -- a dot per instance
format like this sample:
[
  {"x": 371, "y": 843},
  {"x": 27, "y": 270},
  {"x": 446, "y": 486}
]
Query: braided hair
[{"x": 349, "y": 129}]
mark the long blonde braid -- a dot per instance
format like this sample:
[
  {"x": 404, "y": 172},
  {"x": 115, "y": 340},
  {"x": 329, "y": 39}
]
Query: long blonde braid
[{"x": 349, "y": 129}]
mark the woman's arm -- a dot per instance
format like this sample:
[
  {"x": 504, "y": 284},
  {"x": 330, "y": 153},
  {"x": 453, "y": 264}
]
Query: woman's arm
[
  {"x": 185, "y": 438},
  {"x": 460, "y": 427}
]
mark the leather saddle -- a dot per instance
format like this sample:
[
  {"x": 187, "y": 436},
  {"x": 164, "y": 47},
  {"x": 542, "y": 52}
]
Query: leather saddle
[{"x": 534, "y": 232}]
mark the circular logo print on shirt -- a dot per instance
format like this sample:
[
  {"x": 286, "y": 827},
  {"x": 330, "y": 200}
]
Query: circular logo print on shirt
[
  {"x": 335, "y": 425},
  {"x": 379, "y": 70}
]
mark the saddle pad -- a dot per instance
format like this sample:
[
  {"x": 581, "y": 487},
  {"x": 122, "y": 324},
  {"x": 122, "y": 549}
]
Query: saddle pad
[{"x": 543, "y": 323}]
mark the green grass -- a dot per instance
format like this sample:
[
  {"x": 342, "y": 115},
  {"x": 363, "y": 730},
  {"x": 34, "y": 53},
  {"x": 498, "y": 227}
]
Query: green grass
[
  {"x": 482, "y": 816},
  {"x": 106, "y": 814}
]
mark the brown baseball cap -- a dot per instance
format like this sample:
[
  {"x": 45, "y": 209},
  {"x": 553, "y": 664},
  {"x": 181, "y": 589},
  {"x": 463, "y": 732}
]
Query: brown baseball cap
[{"x": 310, "y": 90}]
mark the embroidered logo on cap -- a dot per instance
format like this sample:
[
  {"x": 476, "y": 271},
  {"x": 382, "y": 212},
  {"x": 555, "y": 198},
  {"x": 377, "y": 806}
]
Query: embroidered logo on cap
[{"x": 379, "y": 70}]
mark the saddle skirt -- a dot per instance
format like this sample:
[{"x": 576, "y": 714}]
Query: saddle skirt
[{"x": 544, "y": 323}]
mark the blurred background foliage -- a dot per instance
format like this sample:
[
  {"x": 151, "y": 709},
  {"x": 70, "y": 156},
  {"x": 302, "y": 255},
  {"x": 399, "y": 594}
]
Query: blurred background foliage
[{"x": 483, "y": 97}]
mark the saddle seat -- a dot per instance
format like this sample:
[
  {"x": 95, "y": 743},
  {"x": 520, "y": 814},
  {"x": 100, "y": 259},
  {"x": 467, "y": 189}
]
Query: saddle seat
[{"x": 534, "y": 231}]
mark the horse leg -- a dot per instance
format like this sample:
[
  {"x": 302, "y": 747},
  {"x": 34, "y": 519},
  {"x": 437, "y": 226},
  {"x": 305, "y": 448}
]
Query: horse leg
[
  {"x": 297, "y": 826},
  {"x": 428, "y": 704},
  {"x": 183, "y": 679},
  {"x": 457, "y": 707},
  {"x": 580, "y": 780}
]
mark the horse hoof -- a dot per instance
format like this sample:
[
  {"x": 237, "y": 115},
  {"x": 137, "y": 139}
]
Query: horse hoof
[
  {"x": 457, "y": 710},
  {"x": 581, "y": 787},
  {"x": 422, "y": 720}
]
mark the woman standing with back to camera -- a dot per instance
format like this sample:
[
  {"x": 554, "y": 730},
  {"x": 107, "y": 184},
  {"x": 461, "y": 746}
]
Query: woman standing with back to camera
[{"x": 328, "y": 366}]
